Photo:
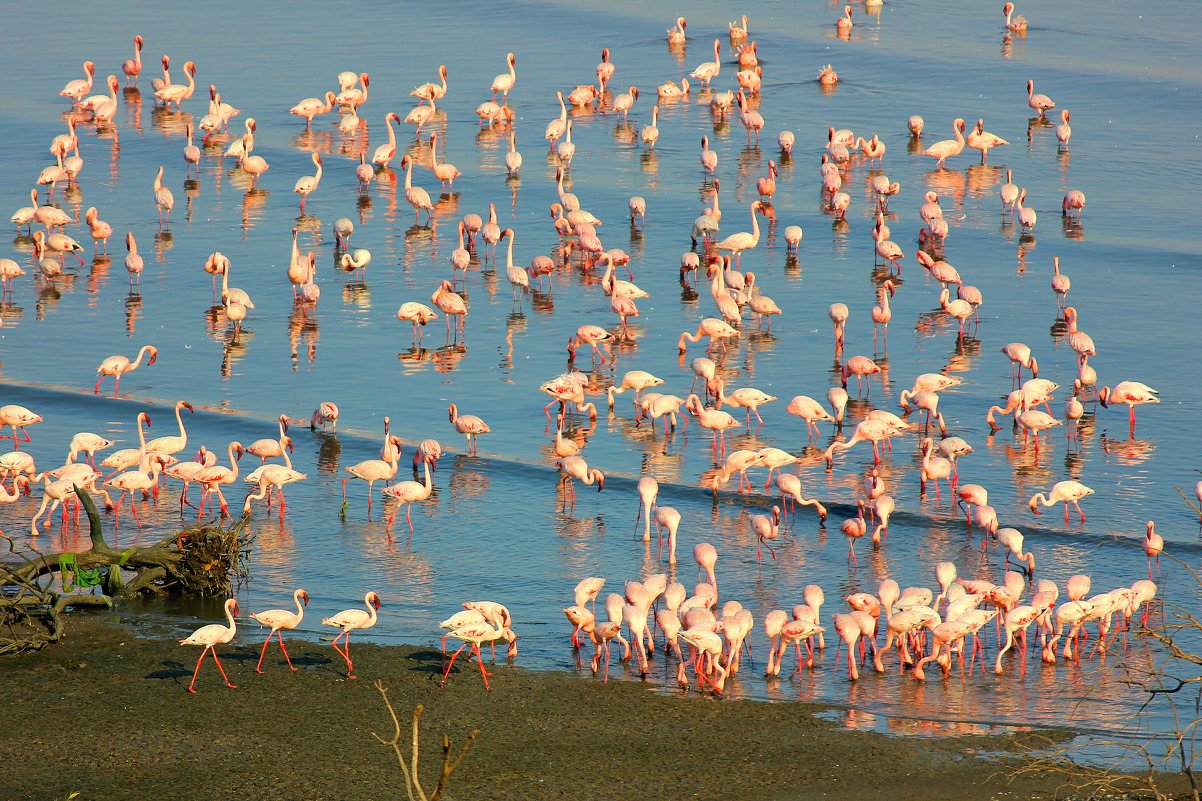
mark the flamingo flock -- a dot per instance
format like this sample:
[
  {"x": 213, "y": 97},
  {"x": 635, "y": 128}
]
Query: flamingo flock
[{"x": 708, "y": 639}]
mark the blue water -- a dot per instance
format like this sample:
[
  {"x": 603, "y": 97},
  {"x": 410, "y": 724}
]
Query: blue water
[{"x": 496, "y": 526}]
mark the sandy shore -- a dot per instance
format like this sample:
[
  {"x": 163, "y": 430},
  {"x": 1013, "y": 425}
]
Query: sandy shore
[{"x": 105, "y": 713}]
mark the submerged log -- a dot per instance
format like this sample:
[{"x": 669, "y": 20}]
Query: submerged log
[{"x": 204, "y": 560}]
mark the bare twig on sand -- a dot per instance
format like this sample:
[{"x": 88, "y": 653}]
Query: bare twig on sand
[{"x": 412, "y": 784}]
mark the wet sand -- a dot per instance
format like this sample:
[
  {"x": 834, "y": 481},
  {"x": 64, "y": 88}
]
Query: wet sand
[{"x": 105, "y": 713}]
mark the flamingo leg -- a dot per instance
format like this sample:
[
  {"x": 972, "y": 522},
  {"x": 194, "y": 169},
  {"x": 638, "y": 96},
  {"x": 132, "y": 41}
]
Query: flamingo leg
[{"x": 447, "y": 672}]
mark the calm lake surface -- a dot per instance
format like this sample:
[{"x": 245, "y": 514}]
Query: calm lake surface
[{"x": 496, "y": 526}]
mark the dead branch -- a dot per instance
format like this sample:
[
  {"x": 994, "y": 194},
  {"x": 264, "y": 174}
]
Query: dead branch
[
  {"x": 412, "y": 784},
  {"x": 204, "y": 560}
]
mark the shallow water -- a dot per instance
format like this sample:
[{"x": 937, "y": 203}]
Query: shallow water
[{"x": 496, "y": 527}]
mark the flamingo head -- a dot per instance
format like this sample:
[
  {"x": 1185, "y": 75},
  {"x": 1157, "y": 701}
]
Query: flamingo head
[
  {"x": 404, "y": 160},
  {"x": 304, "y": 596},
  {"x": 373, "y": 599},
  {"x": 190, "y": 68},
  {"x": 166, "y": 62},
  {"x": 233, "y": 607},
  {"x": 187, "y": 406},
  {"x": 513, "y": 61},
  {"x": 138, "y": 42},
  {"x": 288, "y": 444},
  {"x": 634, "y": 92},
  {"x": 238, "y": 450},
  {"x": 145, "y": 418},
  {"x": 112, "y": 86},
  {"x": 573, "y": 343},
  {"x": 154, "y": 354},
  {"x": 1104, "y": 397},
  {"x": 89, "y": 68}
]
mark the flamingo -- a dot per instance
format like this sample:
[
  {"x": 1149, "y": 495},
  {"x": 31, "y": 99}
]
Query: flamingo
[
  {"x": 983, "y": 140},
  {"x": 325, "y": 414},
  {"x": 119, "y": 365},
  {"x": 307, "y": 184},
  {"x": 648, "y": 489},
  {"x": 409, "y": 493},
  {"x": 868, "y": 430},
  {"x": 1017, "y": 24},
  {"x": 708, "y": 70},
  {"x": 946, "y": 148},
  {"x": 469, "y": 425},
  {"x": 432, "y": 91},
  {"x": 1130, "y": 394},
  {"x": 1040, "y": 103},
  {"x": 504, "y": 82},
  {"x": 312, "y": 107},
  {"x": 134, "y": 481},
  {"x": 1073, "y": 203},
  {"x": 373, "y": 470},
  {"x": 1065, "y": 492},
  {"x": 717, "y": 330},
  {"x": 215, "y": 477},
  {"x": 650, "y": 133},
  {"x": 76, "y": 90},
  {"x": 1153, "y": 546},
  {"x": 418, "y": 197},
  {"x": 163, "y": 198},
  {"x": 513, "y": 159},
  {"x": 386, "y": 152},
  {"x": 451, "y": 305},
  {"x": 752, "y": 120},
  {"x": 351, "y": 620},
  {"x": 474, "y": 634},
  {"x": 854, "y": 528},
  {"x": 418, "y": 314},
  {"x": 737, "y": 243},
  {"x": 132, "y": 67},
  {"x": 421, "y": 115},
  {"x": 177, "y": 93},
  {"x": 252, "y": 165},
  {"x": 1012, "y": 540},
  {"x": 1064, "y": 131},
  {"x": 676, "y": 34},
  {"x": 279, "y": 619},
  {"x": 790, "y": 492},
  {"x": 1026, "y": 215},
  {"x": 843, "y": 24},
  {"x": 210, "y": 637}
]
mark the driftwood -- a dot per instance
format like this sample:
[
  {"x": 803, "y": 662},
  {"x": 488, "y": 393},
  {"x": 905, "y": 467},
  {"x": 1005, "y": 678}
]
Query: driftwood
[
  {"x": 204, "y": 560},
  {"x": 413, "y": 786}
]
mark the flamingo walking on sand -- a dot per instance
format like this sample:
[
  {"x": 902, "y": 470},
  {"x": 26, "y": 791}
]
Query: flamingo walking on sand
[
  {"x": 119, "y": 365},
  {"x": 279, "y": 619},
  {"x": 211, "y": 636},
  {"x": 350, "y": 620}
]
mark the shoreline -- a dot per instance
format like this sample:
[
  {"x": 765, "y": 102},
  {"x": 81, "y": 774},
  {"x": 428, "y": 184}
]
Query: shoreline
[{"x": 120, "y": 725}]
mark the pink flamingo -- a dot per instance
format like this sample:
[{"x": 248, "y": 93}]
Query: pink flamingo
[
  {"x": 469, "y": 425},
  {"x": 279, "y": 619},
  {"x": 350, "y": 620},
  {"x": 1130, "y": 394},
  {"x": 1065, "y": 492},
  {"x": 210, "y": 637},
  {"x": 119, "y": 365},
  {"x": 947, "y": 148}
]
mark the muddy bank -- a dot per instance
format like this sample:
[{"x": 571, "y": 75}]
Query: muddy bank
[{"x": 105, "y": 713}]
